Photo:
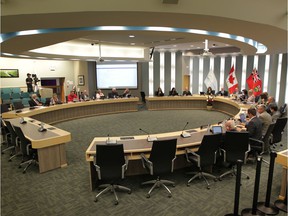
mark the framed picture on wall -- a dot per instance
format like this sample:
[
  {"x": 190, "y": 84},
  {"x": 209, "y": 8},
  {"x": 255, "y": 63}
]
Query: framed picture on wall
[
  {"x": 81, "y": 81},
  {"x": 9, "y": 73}
]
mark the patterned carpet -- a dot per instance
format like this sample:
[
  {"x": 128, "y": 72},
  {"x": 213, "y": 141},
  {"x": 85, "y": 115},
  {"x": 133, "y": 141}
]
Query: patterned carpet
[{"x": 66, "y": 191}]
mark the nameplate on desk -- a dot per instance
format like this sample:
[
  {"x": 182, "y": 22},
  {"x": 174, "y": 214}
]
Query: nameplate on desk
[
  {"x": 127, "y": 138},
  {"x": 185, "y": 135},
  {"x": 151, "y": 139},
  {"x": 111, "y": 141}
]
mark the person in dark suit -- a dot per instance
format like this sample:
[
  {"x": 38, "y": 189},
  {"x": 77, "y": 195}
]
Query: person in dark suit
[
  {"x": 126, "y": 93},
  {"x": 186, "y": 92},
  {"x": 222, "y": 92},
  {"x": 210, "y": 91},
  {"x": 113, "y": 93},
  {"x": 254, "y": 125},
  {"x": 34, "y": 101},
  {"x": 29, "y": 82},
  {"x": 159, "y": 92},
  {"x": 173, "y": 92}
]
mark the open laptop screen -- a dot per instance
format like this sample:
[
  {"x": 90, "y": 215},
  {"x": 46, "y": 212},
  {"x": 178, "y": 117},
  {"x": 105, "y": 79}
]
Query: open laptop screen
[
  {"x": 242, "y": 117},
  {"x": 216, "y": 129}
]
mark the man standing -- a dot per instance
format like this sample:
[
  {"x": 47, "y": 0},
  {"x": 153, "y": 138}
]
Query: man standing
[{"x": 29, "y": 81}]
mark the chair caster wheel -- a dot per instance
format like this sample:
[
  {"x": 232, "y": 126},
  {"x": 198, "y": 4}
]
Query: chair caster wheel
[
  {"x": 248, "y": 177},
  {"x": 170, "y": 195},
  {"x": 129, "y": 192},
  {"x": 148, "y": 196},
  {"x": 96, "y": 200},
  {"x": 9, "y": 160},
  {"x": 19, "y": 167},
  {"x": 220, "y": 179},
  {"x": 173, "y": 185},
  {"x": 208, "y": 188},
  {"x": 215, "y": 180},
  {"x": 24, "y": 172},
  {"x": 116, "y": 203},
  {"x": 188, "y": 185}
]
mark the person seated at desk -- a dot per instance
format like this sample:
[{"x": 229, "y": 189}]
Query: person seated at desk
[
  {"x": 251, "y": 96},
  {"x": 113, "y": 93},
  {"x": 210, "y": 91},
  {"x": 99, "y": 94},
  {"x": 275, "y": 114},
  {"x": 264, "y": 117},
  {"x": 244, "y": 95},
  {"x": 186, "y": 92},
  {"x": 230, "y": 125},
  {"x": 159, "y": 92},
  {"x": 34, "y": 101},
  {"x": 84, "y": 96},
  {"x": 126, "y": 93},
  {"x": 173, "y": 92},
  {"x": 72, "y": 97},
  {"x": 55, "y": 100},
  {"x": 222, "y": 92}
]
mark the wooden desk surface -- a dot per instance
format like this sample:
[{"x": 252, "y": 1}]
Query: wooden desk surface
[
  {"x": 282, "y": 158},
  {"x": 53, "y": 135}
]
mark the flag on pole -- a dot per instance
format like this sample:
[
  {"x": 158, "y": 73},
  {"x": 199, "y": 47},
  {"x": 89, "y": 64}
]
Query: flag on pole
[
  {"x": 231, "y": 80},
  {"x": 254, "y": 82},
  {"x": 211, "y": 80}
]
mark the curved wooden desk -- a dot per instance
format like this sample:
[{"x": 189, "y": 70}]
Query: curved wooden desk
[
  {"x": 68, "y": 111},
  {"x": 135, "y": 145}
]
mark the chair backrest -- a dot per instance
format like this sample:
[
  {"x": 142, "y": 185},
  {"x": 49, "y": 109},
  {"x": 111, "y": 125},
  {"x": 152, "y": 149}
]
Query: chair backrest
[
  {"x": 12, "y": 132},
  {"x": 142, "y": 93},
  {"x": 267, "y": 136},
  {"x": 278, "y": 129},
  {"x": 110, "y": 158},
  {"x": 162, "y": 155},
  {"x": 283, "y": 110},
  {"x": 18, "y": 105},
  {"x": 236, "y": 145},
  {"x": 209, "y": 146},
  {"x": 23, "y": 140},
  {"x": 4, "y": 108},
  {"x": 15, "y": 95}
]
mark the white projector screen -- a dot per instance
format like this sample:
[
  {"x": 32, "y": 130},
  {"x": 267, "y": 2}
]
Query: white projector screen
[{"x": 116, "y": 75}]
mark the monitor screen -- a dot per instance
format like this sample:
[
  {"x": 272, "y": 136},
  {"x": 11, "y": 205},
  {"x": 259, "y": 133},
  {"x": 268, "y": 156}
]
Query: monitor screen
[
  {"x": 109, "y": 75},
  {"x": 216, "y": 129},
  {"x": 242, "y": 117}
]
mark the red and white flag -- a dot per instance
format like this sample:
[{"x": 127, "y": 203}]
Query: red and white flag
[
  {"x": 254, "y": 82},
  {"x": 231, "y": 81}
]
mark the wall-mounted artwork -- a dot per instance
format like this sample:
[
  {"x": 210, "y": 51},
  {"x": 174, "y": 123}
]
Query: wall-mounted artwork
[
  {"x": 9, "y": 73},
  {"x": 81, "y": 81}
]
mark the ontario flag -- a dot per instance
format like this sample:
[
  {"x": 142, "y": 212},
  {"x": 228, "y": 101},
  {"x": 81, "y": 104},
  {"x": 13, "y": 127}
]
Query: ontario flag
[
  {"x": 231, "y": 81},
  {"x": 254, "y": 82}
]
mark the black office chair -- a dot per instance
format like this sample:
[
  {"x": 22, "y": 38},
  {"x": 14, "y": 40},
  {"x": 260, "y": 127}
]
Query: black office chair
[
  {"x": 29, "y": 155},
  {"x": 161, "y": 161},
  {"x": 278, "y": 131},
  {"x": 18, "y": 105},
  {"x": 204, "y": 157},
  {"x": 283, "y": 110},
  {"x": 4, "y": 108},
  {"x": 111, "y": 165},
  {"x": 6, "y": 138},
  {"x": 14, "y": 141},
  {"x": 235, "y": 147}
]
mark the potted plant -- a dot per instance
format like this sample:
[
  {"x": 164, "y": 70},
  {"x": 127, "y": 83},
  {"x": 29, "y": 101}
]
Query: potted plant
[{"x": 209, "y": 102}]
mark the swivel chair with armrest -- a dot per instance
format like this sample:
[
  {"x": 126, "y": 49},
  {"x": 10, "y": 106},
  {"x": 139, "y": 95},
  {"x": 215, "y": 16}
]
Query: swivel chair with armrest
[
  {"x": 235, "y": 147},
  {"x": 161, "y": 161},
  {"x": 6, "y": 138},
  {"x": 278, "y": 131},
  {"x": 29, "y": 155},
  {"x": 204, "y": 157},
  {"x": 14, "y": 141},
  {"x": 110, "y": 166}
]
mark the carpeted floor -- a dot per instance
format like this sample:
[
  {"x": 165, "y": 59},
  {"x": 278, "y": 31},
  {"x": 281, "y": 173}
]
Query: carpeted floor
[{"x": 66, "y": 191}]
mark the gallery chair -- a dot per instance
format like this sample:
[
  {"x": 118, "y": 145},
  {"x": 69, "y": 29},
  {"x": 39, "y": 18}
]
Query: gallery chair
[
  {"x": 161, "y": 161},
  {"x": 29, "y": 155},
  {"x": 204, "y": 157},
  {"x": 235, "y": 147},
  {"x": 110, "y": 166},
  {"x": 278, "y": 131}
]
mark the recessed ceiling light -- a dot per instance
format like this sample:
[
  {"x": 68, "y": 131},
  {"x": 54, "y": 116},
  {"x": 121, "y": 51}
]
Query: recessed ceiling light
[
  {"x": 131, "y": 36},
  {"x": 191, "y": 45},
  {"x": 174, "y": 45},
  {"x": 132, "y": 44}
]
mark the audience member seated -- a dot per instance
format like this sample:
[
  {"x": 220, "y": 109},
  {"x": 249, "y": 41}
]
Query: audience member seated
[
  {"x": 230, "y": 125},
  {"x": 126, "y": 93},
  {"x": 270, "y": 100},
  {"x": 173, "y": 92},
  {"x": 222, "y": 92},
  {"x": 34, "y": 101},
  {"x": 159, "y": 92},
  {"x": 254, "y": 124},
  {"x": 209, "y": 91},
  {"x": 113, "y": 93},
  {"x": 55, "y": 100},
  {"x": 244, "y": 95},
  {"x": 84, "y": 96},
  {"x": 275, "y": 114},
  {"x": 99, "y": 94},
  {"x": 72, "y": 97},
  {"x": 251, "y": 96},
  {"x": 264, "y": 117},
  {"x": 186, "y": 92}
]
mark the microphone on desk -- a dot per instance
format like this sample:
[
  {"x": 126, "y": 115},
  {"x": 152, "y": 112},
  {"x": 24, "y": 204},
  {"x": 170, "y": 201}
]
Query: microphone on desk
[
  {"x": 42, "y": 129},
  {"x": 185, "y": 134},
  {"x": 22, "y": 121},
  {"x": 149, "y": 138}
]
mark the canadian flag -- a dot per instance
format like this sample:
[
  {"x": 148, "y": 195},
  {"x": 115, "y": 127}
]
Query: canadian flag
[
  {"x": 254, "y": 82},
  {"x": 231, "y": 80}
]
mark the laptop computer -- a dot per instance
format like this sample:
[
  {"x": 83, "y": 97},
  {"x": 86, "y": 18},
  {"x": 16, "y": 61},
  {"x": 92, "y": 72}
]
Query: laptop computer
[
  {"x": 242, "y": 117},
  {"x": 216, "y": 129},
  {"x": 102, "y": 97}
]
